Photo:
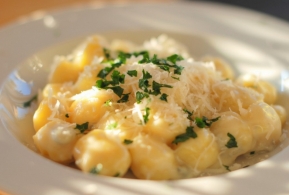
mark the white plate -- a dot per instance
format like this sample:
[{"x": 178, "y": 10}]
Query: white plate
[{"x": 250, "y": 41}]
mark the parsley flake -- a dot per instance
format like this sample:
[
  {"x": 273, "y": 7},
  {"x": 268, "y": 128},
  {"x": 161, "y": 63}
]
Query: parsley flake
[
  {"x": 108, "y": 102},
  {"x": 174, "y": 58},
  {"x": 232, "y": 143},
  {"x": 106, "y": 53},
  {"x": 29, "y": 102},
  {"x": 112, "y": 125},
  {"x": 146, "y": 115},
  {"x": 164, "y": 97},
  {"x": 104, "y": 72},
  {"x": 205, "y": 122},
  {"x": 143, "y": 83},
  {"x": 82, "y": 128},
  {"x": 124, "y": 98},
  {"x": 127, "y": 141},
  {"x": 97, "y": 169},
  {"x": 132, "y": 73},
  {"x": 227, "y": 167},
  {"x": 190, "y": 133},
  {"x": 190, "y": 114},
  {"x": 140, "y": 96},
  {"x": 157, "y": 87}
]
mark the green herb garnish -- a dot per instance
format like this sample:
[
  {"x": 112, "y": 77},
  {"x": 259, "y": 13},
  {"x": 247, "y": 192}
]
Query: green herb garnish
[
  {"x": 205, "y": 122},
  {"x": 190, "y": 133},
  {"x": 174, "y": 58},
  {"x": 112, "y": 126},
  {"x": 29, "y": 102},
  {"x": 82, "y": 127},
  {"x": 157, "y": 88},
  {"x": 132, "y": 73},
  {"x": 124, "y": 98},
  {"x": 140, "y": 96},
  {"x": 96, "y": 170},
  {"x": 232, "y": 143},
  {"x": 227, "y": 167},
  {"x": 190, "y": 114},
  {"x": 146, "y": 115},
  {"x": 164, "y": 97},
  {"x": 127, "y": 141}
]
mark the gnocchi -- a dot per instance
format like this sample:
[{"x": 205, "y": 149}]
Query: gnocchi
[{"x": 152, "y": 110}]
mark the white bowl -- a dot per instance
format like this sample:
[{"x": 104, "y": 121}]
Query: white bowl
[{"x": 250, "y": 41}]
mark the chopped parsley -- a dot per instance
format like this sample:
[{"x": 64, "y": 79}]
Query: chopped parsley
[
  {"x": 164, "y": 97},
  {"x": 108, "y": 102},
  {"x": 190, "y": 133},
  {"x": 29, "y": 102},
  {"x": 67, "y": 115},
  {"x": 132, "y": 73},
  {"x": 117, "y": 78},
  {"x": 232, "y": 143},
  {"x": 82, "y": 128},
  {"x": 190, "y": 114},
  {"x": 127, "y": 141},
  {"x": 205, "y": 122},
  {"x": 174, "y": 58},
  {"x": 146, "y": 115},
  {"x": 104, "y": 72},
  {"x": 112, "y": 126},
  {"x": 227, "y": 167},
  {"x": 140, "y": 96},
  {"x": 113, "y": 84},
  {"x": 156, "y": 88},
  {"x": 252, "y": 153},
  {"x": 106, "y": 53},
  {"x": 96, "y": 170},
  {"x": 124, "y": 98},
  {"x": 117, "y": 175},
  {"x": 177, "y": 78},
  {"x": 143, "y": 83}
]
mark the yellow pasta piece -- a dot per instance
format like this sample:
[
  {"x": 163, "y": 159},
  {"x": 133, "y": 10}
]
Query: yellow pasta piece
[
  {"x": 64, "y": 71},
  {"x": 265, "y": 125},
  {"x": 90, "y": 106},
  {"x": 56, "y": 140},
  {"x": 88, "y": 77},
  {"x": 165, "y": 121},
  {"x": 49, "y": 109},
  {"x": 234, "y": 137},
  {"x": 85, "y": 54},
  {"x": 221, "y": 66},
  {"x": 98, "y": 153},
  {"x": 152, "y": 159},
  {"x": 282, "y": 113},
  {"x": 198, "y": 153},
  {"x": 263, "y": 87},
  {"x": 121, "y": 124}
]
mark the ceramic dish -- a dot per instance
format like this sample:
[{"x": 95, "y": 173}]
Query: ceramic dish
[{"x": 251, "y": 42}]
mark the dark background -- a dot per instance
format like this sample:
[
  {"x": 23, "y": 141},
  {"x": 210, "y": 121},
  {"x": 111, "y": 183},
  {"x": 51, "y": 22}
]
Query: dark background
[{"x": 277, "y": 8}]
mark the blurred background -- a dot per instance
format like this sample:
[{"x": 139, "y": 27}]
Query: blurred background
[
  {"x": 10, "y": 10},
  {"x": 277, "y": 8}
]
